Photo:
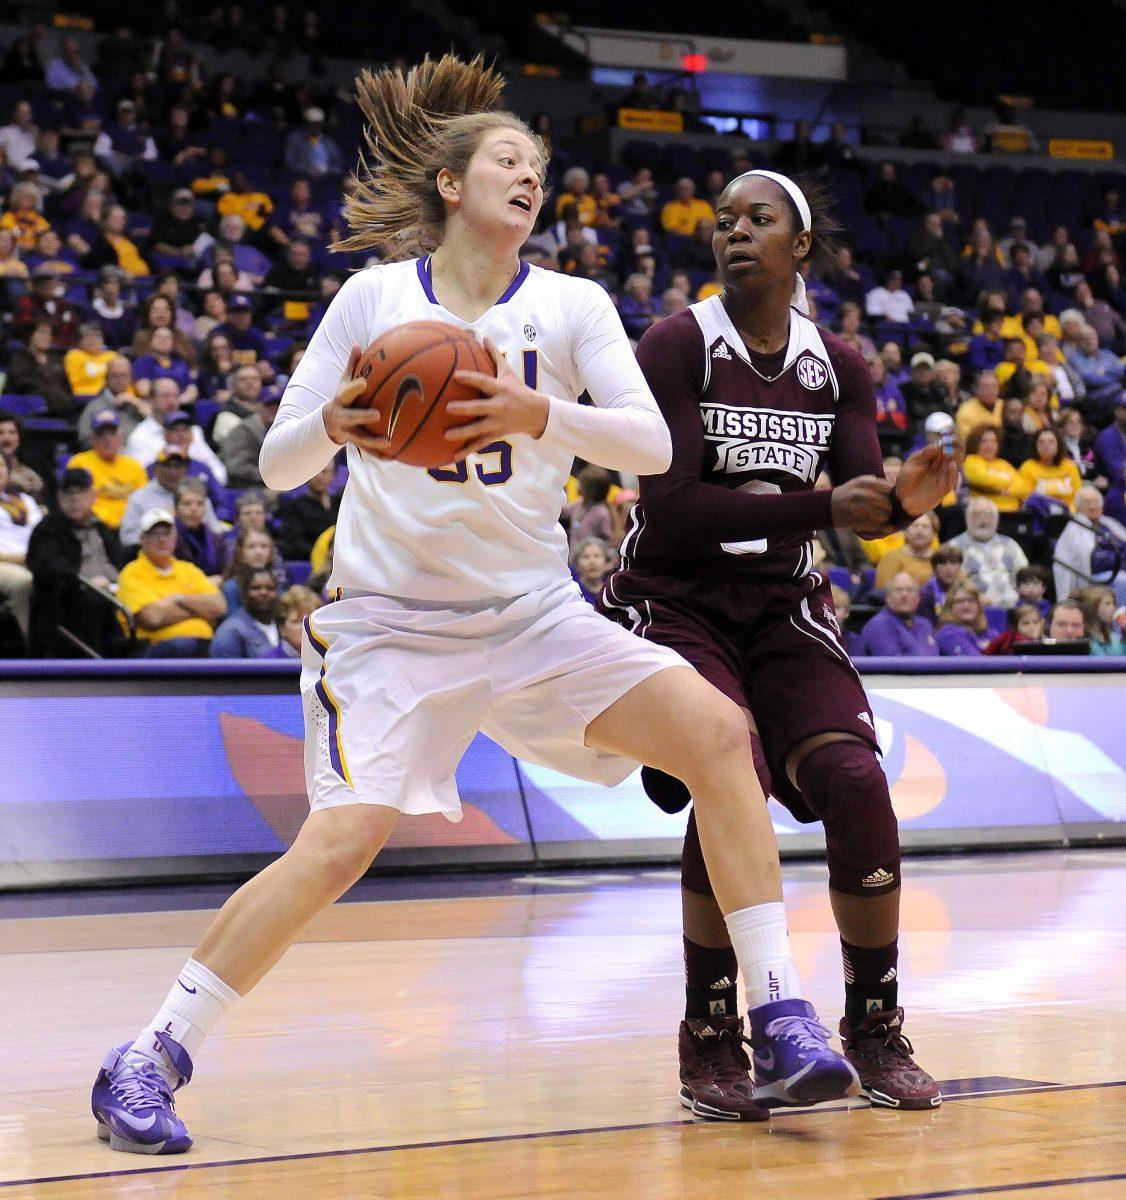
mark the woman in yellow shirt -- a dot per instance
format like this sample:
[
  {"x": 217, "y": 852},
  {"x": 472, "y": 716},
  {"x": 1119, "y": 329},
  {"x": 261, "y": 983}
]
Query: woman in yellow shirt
[
  {"x": 1053, "y": 471},
  {"x": 87, "y": 364},
  {"x": 128, "y": 256},
  {"x": 989, "y": 475},
  {"x": 914, "y": 556}
]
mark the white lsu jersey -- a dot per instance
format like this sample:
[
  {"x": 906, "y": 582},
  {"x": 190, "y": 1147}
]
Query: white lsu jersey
[{"x": 487, "y": 527}]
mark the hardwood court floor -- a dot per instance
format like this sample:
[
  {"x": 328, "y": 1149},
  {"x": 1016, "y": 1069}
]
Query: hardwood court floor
[{"x": 523, "y": 1045}]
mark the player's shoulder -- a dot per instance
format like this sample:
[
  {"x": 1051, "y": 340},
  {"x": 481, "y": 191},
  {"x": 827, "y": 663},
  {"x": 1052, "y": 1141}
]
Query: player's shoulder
[{"x": 678, "y": 334}]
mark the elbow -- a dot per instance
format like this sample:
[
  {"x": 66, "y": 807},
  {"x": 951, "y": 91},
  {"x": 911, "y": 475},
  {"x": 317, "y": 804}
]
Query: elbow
[{"x": 654, "y": 459}]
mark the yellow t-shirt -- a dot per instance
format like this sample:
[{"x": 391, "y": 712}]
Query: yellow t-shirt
[
  {"x": 318, "y": 556},
  {"x": 87, "y": 372},
  {"x": 901, "y": 559},
  {"x": 114, "y": 482},
  {"x": 973, "y": 413},
  {"x": 709, "y": 289},
  {"x": 879, "y": 547},
  {"x": 1004, "y": 371},
  {"x": 26, "y": 226},
  {"x": 1061, "y": 483},
  {"x": 253, "y": 207},
  {"x": 142, "y": 583},
  {"x": 680, "y": 218},
  {"x": 997, "y": 480}
]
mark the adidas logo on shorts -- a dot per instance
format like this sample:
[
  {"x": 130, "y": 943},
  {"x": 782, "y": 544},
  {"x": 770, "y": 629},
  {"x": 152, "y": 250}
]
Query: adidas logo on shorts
[
  {"x": 877, "y": 879},
  {"x": 889, "y": 976},
  {"x": 720, "y": 350}
]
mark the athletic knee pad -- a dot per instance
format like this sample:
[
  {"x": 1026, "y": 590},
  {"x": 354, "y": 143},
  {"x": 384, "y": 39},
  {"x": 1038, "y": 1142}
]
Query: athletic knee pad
[
  {"x": 844, "y": 784},
  {"x": 693, "y": 872}
]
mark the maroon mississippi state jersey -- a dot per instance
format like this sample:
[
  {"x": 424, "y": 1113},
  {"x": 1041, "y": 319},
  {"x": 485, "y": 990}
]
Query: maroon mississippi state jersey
[{"x": 751, "y": 433}]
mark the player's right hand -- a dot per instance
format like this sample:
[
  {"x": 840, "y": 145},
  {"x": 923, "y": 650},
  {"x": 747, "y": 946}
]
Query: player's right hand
[
  {"x": 862, "y": 504},
  {"x": 344, "y": 422}
]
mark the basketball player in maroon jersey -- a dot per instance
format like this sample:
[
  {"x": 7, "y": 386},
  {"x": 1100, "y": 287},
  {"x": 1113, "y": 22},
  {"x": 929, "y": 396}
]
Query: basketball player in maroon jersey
[{"x": 718, "y": 564}]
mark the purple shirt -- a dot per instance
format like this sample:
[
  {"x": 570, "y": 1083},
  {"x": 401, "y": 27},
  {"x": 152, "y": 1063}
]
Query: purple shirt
[
  {"x": 889, "y": 636},
  {"x": 957, "y": 639},
  {"x": 148, "y": 366}
]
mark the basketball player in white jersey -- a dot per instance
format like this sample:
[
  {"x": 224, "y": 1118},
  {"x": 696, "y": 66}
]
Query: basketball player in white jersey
[{"x": 456, "y": 609}]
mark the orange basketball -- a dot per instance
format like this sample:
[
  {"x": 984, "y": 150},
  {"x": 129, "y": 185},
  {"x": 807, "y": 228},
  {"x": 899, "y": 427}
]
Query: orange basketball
[{"x": 410, "y": 380}]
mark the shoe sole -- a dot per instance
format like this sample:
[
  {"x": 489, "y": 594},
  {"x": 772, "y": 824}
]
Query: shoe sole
[
  {"x": 808, "y": 1087},
  {"x": 707, "y": 1113},
  {"x": 910, "y": 1104},
  {"x": 127, "y": 1147}
]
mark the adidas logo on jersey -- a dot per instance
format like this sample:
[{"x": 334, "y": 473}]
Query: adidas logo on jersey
[
  {"x": 720, "y": 984},
  {"x": 720, "y": 350},
  {"x": 877, "y": 879}
]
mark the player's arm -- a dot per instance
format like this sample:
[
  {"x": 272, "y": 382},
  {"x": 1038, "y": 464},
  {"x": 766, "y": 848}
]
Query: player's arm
[
  {"x": 624, "y": 430},
  {"x": 924, "y": 479},
  {"x": 316, "y": 416},
  {"x": 688, "y": 509}
]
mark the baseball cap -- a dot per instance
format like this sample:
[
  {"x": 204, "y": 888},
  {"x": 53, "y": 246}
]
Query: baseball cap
[
  {"x": 179, "y": 417},
  {"x": 313, "y": 114},
  {"x": 938, "y": 422},
  {"x": 156, "y": 516},
  {"x": 171, "y": 454},
  {"x": 183, "y": 194},
  {"x": 106, "y": 420},
  {"x": 238, "y": 303},
  {"x": 76, "y": 479},
  {"x": 922, "y": 359}
]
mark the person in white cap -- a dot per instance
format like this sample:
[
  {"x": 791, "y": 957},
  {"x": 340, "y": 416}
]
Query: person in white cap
[{"x": 311, "y": 151}]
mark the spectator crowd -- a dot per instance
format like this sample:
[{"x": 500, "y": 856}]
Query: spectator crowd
[{"x": 164, "y": 259}]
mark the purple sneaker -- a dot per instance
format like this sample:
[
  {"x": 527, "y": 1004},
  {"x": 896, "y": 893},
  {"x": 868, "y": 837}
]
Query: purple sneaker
[
  {"x": 133, "y": 1103},
  {"x": 794, "y": 1064}
]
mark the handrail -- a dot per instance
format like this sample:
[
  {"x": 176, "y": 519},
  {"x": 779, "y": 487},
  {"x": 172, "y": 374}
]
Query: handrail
[{"x": 17, "y": 669}]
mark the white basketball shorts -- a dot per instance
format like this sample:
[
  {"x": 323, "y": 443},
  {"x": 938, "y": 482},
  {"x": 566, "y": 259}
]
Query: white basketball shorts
[{"x": 394, "y": 691}]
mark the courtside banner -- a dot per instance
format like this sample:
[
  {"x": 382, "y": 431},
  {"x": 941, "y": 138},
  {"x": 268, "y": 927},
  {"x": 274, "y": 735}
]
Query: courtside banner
[{"x": 190, "y": 773}]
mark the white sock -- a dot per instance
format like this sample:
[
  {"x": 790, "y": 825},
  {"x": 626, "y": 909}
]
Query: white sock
[
  {"x": 762, "y": 946},
  {"x": 197, "y": 1001}
]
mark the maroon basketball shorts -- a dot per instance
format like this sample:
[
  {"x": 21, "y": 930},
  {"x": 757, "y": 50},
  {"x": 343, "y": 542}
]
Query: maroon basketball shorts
[{"x": 777, "y": 652}]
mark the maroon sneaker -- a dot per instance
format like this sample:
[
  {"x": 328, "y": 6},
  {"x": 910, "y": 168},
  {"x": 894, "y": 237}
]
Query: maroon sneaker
[
  {"x": 715, "y": 1071},
  {"x": 881, "y": 1055}
]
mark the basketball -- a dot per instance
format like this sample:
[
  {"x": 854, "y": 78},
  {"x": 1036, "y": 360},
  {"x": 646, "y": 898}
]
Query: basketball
[{"x": 410, "y": 380}]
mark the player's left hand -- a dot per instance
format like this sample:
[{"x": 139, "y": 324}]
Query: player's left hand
[
  {"x": 928, "y": 475},
  {"x": 508, "y": 406}
]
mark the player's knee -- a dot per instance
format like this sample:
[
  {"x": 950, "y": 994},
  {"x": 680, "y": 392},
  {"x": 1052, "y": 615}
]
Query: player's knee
[
  {"x": 693, "y": 872},
  {"x": 717, "y": 739},
  {"x": 843, "y": 783},
  {"x": 343, "y": 844}
]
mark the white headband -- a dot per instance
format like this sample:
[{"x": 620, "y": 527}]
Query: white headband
[
  {"x": 792, "y": 190},
  {"x": 798, "y": 300}
]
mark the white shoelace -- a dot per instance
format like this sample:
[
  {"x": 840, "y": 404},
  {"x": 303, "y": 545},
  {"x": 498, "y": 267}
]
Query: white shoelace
[{"x": 805, "y": 1032}]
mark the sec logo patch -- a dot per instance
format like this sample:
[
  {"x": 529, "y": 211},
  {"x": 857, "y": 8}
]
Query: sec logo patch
[{"x": 811, "y": 374}]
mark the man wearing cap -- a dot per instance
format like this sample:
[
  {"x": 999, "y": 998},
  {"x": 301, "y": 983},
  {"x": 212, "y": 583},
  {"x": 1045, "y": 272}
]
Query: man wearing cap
[
  {"x": 203, "y": 462},
  {"x": 241, "y": 447},
  {"x": 116, "y": 397},
  {"x": 66, "y": 544},
  {"x": 149, "y": 436},
  {"x": 116, "y": 476},
  {"x": 176, "y": 233},
  {"x": 175, "y": 606},
  {"x": 169, "y": 470},
  {"x": 124, "y": 143},
  {"x": 310, "y": 151},
  {"x": 922, "y": 392},
  {"x": 248, "y": 344}
]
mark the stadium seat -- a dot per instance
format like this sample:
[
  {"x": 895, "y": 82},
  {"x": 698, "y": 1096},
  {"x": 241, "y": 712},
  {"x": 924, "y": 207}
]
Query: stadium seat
[
  {"x": 22, "y": 406},
  {"x": 298, "y": 570}
]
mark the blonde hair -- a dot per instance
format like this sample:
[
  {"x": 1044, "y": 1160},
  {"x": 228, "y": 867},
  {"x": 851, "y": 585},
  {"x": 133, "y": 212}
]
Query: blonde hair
[
  {"x": 418, "y": 123},
  {"x": 963, "y": 588}
]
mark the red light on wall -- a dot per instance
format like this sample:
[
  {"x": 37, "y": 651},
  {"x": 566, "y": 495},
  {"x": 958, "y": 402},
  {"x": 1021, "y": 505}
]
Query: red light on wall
[{"x": 695, "y": 63}]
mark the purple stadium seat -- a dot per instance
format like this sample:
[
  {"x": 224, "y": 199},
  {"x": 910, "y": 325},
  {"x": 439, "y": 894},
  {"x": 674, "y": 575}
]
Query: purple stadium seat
[
  {"x": 298, "y": 570},
  {"x": 22, "y": 406}
]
